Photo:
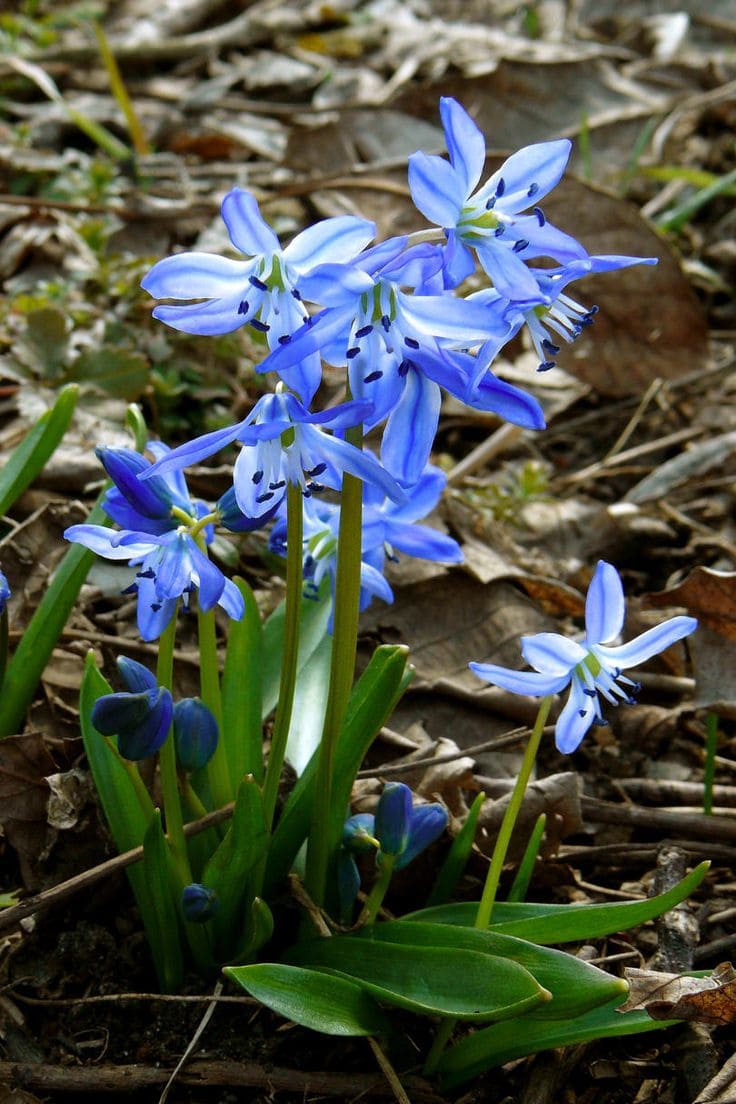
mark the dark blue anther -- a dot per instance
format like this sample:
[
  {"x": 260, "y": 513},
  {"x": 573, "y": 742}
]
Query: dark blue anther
[
  {"x": 372, "y": 376},
  {"x": 284, "y": 339},
  {"x": 540, "y": 215},
  {"x": 386, "y": 322},
  {"x": 532, "y": 189},
  {"x": 155, "y": 606},
  {"x": 582, "y": 712},
  {"x": 316, "y": 470},
  {"x": 411, "y": 342},
  {"x": 499, "y": 231},
  {"x": 549, "y": 347},
  {"x": 243, "y": 307},
  {"x": 520, "y": 245},
  {"x": 149, "y": 573},
  {"x": 258, "y": 283},
  {"x": 262, "y": 327},
  {"x": 490, "y": 203},
  {"x": 265, "y": 496},
  {"x": 277, "y": 486},
  {"x": 257, "y": 477},
  {"x": 363, "y": 331},
  {"x": 353, "y": 352},
  {"x": 545, "y": 366},
  {"x": 297, "y": 294},
  {"x": 404, "y": 367},
  {"x": 132, "y": 589},
  {"x": 588, "y": 692},
  {"x": 500, "y": 187}
]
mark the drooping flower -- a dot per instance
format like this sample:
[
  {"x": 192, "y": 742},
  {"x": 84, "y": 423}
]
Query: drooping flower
[
  {"x": 199, "y": 903},
  {"x": 141, "y": 717},
  {"x": 283, "y": 443},
  {"x": 266, "y": 290},
  {"x": 491, "y": 219},
  {"x": 163, "y": 533},
  {"x": 400, "y": 349},
  {"x": 195, "y": 734},
  {"x": 592, "y": 668},
  {"x": 387, "y": 528}
]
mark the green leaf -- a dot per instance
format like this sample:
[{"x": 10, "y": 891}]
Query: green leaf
[
  {"x": 371, "y": 703},
  {"x": 228, "y": 870},
  {"x": 313, "y": 620},
  {"x": 37, "y": 447},
  {"x": 437, "y": 981},
  {"x": 162, "y": 919},
  {"x": 457, "y": 857},
  {"x": 575, "y": 985},
  {"x": 40, "y": 638},
  {"x": 311, "y": 998},
  {"x": 523, "y": 877},
  {"x": 310, "y": 704},
  {"x": 241, "y": 691},
  {"x": 258, "y": 931},
  {"x": 492, "y": 1046},
  {"x": 565, "y": 923}
]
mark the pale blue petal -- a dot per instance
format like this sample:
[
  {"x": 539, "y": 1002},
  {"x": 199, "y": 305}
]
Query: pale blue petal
[
  {"x": 216, "y": 316},
  {"x": 437, "y": 190},
  {"x": 99, "y": 539},
  {"x": 154, "y": 613},
  {"x": 465, "y": 142},
  {"x": 423, "y": 496},
  {"x": 551, "y": 653},
  {"x": 411, "y": 428},
  {"x": 542, "y": 164},
  {"x": 335, "y": 285},
  {"x": 444, "y": 316},
  {"x": 196, "y": 276},
  {"x": 245, "y": 224},
  {"x": 193, "y": 451},
  {"x": 575, "y": 719},
  {"x": 210, "y": 579},
  {"x": 330, "y": 325},
  {"x": 520, "y": 682},
  {"x": 459, "y": 262},
  {"x": 604, "y": 605},
  {"x": 510, "y": 402},
  {"x": 544, "y": 241},
  {"x": 175, "y": 570},
  {"x": 423, "y": 542},
  {"x": 510, "y": 276},
  {"x": 648, "y": 644},
  {"x": 333, "y": 240},
  {"x": 363, "y": 465},
  {"x": 232, "y": 601},
  {"x": 374, "y": 583}
]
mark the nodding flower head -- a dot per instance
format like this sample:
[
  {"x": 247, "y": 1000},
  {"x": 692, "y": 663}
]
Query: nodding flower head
[
  {"x": 198, "y": 903},
  {"x": 141, "y": 717},
  {"x": 592, "y": 668}
]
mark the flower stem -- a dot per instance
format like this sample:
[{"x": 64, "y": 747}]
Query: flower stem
[
  {"x": 289, "y": 659},
  {"x": 485, "y": 909},
  {"x": 216, "y": 770},
  {"x": 378, "y": 892},
  {"x": 167, "y": 762},
  {"x": 342, "y": 670}
]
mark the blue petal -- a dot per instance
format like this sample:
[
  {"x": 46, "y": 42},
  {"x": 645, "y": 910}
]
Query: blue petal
[
  {"x": 427, "y": 824},
  {"x": 334, "y": 240},
  {"x": 510, "y": 402},
  {"x": 335, "y": 285},
  {"x": 195, "y": 733},
  {"x": 210, "y": 580},
  {"x": 193, "y": 451},
  {"x": 175, "y": 570},
  {"x": 216, "y": 316},
  {"x": 245, "y": 224},
  {"x": 411, "y": 428},
  {"x": 551, "y": 653},
  {"x": 363, "y": 465},
  {"x": 459, "y": 262},
  {"x": 154, "y": 613},
  {"x": 510, "y": 276},
  {"x": 444, "y": 316},
  {"x": 575, "y": 719},
  {"x": 152, "y": 498},
  {"x": 544, "y": 241},
  {"x": 423, "y": 496},
  {"x": 542, "y": 164},
  {"x": 424, "y": 542},
  {"x": 520, "y": 682},
  {"x": 465, "y": 142},
  {"x": 393, "y": 817},
  {"x": 436, "y": 188},
  {"x": 99, "y": 539},
  {"x": 137, "y": 677},
  {"x": 604, "y": 605},
  {"x": 196, "y": 276},
  {"x": 648, "y": 644},
  {"x": 373, "y": 584},
  {"x": 231, "y": 600}
]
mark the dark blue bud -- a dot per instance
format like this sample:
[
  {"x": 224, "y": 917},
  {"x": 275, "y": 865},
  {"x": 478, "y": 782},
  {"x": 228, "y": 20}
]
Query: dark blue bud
[
  {"x": 195, "y": 733},
  {"x": 4, "y": 591},
  {"x": 150, "y": 497},
  {"x": 358, "y": 833},
  {"x": 393, "y": 817},
  {"x": 427, "y": 824},
  {"x": 136, "y": 676},
  {"x": 198, "y": 903},
  {"x": 141, "y": 721}
]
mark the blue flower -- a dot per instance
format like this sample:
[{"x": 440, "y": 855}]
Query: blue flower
[
  {"x": 4, "y": 592},
  {"x": 397, "y": 830},
  {"x": 141, "y": 718},
  {"x": 399, "y": 348},
  {"x": 156, "y": 505},
  {"x": 198, "y": 903},
  {"x": 591, "y": 668},
  {"x": 387, "y": 527},
  {"x": 549, "y": 314},
  {"x": 283, "y": 444},
  {"x": 491, "y": 219},
  {"x": 195, "y": 734},
  {"x": 264, "y": 291}
]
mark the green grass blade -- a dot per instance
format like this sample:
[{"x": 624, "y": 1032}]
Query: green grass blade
[
  {"x": 241, "y": 691},
  {"x": 452, "y": 868},
  {"x": 523, "y": 877},
  {"x": 161, "y": 917},
  {"x": 38, "y": 446}
]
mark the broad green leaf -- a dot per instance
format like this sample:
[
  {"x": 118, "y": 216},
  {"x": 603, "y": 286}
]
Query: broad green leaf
[
  {"x": 241, "y": 691},
  {"x": 575, "y": 985},
  {"x": 332, "y": 1005},
  {"x": 162, "y": 919},
  {"x": 310, "y": 703},
  {"x": 371, "y": 703},
  {"x": 492, "y": 1046},
  {"x": 565, "y": 923},
  {"x": 228, "y": 870},
  {"x": 36, "y": 448},
  {"x": 313, "y": 620},
  {"x": 34, "y": 650},
  {"x": 437, "y": 981},
  {"x": 457, "y": 857}
]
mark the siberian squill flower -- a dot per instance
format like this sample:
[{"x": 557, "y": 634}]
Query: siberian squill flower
[
  {"x": 141, "y": 717},
  {"x": 591, "y": 668},
  {"x": 399, "y": 349},
  {"x": 4, "y": 592},
  {"x": 265, "y": 291},
  {"x": 163, "y": 533},
  {"x": 491, "y": 219},
  {"x": 283, "y": 443},
  {"x": 387, "y": 528},
  {"x": 549, "y": 314}
]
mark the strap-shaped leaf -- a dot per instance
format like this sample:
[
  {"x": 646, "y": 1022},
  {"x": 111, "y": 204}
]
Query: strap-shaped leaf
[
  {"x": 241, "y": 691},
  {"x": 492, "y": 1046},
  {"x": 436, "y": 981},
  {"x": 332, "y": 1005},
  {"x": 313, "y": 618},
  {"x": 575, "y": 985},
  {"x": 457, "y": 857},
  {"x": 162, "y": 919},
  {"x": 36, "y": 448},
  {"x": 565, "y": 923}
]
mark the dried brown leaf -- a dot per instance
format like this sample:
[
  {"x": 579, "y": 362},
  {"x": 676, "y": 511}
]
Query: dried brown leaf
[
  {"x": 706, "y": 594},
  {"x": 710, "y": 1000}
]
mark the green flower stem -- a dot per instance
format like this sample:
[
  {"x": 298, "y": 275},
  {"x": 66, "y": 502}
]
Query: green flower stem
[
  {"x": 342, "y": 671},
  {"x": 289, "y": 659},
  {"x": 217, "y": 772},
  {"x": 378, "y": 892},
  {"x": 167, "y": 763},
  {"x": 711, "y": 747},
  {"x": 485, "y": 909}
]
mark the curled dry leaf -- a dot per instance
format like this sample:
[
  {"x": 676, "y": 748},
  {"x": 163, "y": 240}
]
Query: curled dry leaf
[
  {"x": 558, "y": 796},
  {"x": 710, "y": 1000}
]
